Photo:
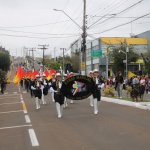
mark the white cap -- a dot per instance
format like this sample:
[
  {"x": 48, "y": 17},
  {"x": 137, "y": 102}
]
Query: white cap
[
  {"x": 65, "y": 75},
  {"x": 37, "y": 76},
  {"x": 71, "y": 73},
  {"x": 53, "y": 74},
  {"x": 44, "y": 75},
  {"x": 58, "y": 74},
  {"x": 95, "y": 70},
  {"x": 90, "y": 72}
]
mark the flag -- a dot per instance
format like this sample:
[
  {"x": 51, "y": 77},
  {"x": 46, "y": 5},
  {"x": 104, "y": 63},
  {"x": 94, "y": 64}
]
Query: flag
[
  {"x": 130, "y": 74},
  {"x": 50, "y": 73},
  {"x": 46, "y": 73},
  {"x": 19, "y": 75}
]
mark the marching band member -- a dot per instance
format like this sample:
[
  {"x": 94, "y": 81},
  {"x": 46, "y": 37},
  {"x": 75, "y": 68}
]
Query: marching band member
[
  {"x": 65, "y": 99},
  {"x": 45, "y": 89},
  {"x": 99, "y": 84},
  {"x": 51, "y": 81},
  {"x": 37, "y": 85},
  {"x": 58, "y": 96},
  {"x": 91, "y": 97},
  {"x": 71, "y": 75}
]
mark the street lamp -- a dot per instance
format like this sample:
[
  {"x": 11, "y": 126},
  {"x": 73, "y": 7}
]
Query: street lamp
[
  {"x": 67, "y": 16},
  {"x": 126, "y": 53},
  {"x": 83, "y": 47}
]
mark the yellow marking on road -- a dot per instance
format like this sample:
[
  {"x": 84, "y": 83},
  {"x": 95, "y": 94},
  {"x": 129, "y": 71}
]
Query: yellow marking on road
[{"x": 24, "y": 105}]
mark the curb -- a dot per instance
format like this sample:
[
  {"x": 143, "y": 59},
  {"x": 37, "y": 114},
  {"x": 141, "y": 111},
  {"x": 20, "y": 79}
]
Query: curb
[{"x": 142, "y": 105}]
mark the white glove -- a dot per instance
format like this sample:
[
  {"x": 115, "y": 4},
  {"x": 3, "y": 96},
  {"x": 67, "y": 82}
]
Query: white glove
[
  {"x": 101, "y": 86},
  {"x": 49, "y": 83},
  {"x": 45, "y": 83},
  {"x": 33, "y": 88},
  {"x": 52, "y": 90},
  {"x": 42, "y": 87}
]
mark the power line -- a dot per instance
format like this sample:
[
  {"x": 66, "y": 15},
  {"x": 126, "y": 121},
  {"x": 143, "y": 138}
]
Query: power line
[
  {"x": 36, "y": 33},
  {"x": 115, "y": 14},
  {"x": 32, "y": 37},
  {"x": 121, "y": 24}
]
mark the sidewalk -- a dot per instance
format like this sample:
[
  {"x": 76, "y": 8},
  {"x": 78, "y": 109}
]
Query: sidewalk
[{"x": 141, "y": 105}]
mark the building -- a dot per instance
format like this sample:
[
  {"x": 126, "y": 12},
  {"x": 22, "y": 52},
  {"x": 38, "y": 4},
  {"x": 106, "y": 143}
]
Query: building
[
  {"x": 140, "y": 46},
  {"x": 145, "y": 35}
]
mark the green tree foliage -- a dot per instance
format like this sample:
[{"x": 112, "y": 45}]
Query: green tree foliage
[
  {"x": 74, "y": 61},
  {"x": 147, "y": 62},
  {"x": 2, "y": 74},
  {"x": 54, "y": 64},
  {"x": 118, "y": 58},
  {"x": 4, "y": 60}
]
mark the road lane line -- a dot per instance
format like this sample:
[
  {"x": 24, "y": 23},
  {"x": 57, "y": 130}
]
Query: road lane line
[
  {"x": 29, "y": 125},
  {"x": 7, "y": 112},
  {"x": 33, "y": 138},
  {"x": 15, "y": 92},
  {"x": 24, "y": 105},
  {"x": 27, "y": 119},
  {"x": 10, "y": 103}
]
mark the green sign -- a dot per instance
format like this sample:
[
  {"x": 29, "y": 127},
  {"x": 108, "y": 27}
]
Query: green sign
[{"x": 96, "y": 53}]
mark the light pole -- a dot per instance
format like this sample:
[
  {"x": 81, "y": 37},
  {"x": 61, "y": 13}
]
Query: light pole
[
  {"x": 83, "y": 46},
  {"x": 126, "y": 53}
]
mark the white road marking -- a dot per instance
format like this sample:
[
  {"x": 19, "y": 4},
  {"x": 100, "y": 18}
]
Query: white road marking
[
  {"x": 6, "y": 93},
  {"x": 14, "y": 92},
  {"x": 24, "y": 92},
  {"x": 25, "y": 111},
  {"x": 27, "y": 119},
  {"x": 2, "y": 128},
  {"x": 33, "y": 138},
  {"x": 7, "y": 112},
  {"x": 10, "y": 103}
]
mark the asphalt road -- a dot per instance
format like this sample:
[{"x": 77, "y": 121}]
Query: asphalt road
[{"x": 116, "y": 127}]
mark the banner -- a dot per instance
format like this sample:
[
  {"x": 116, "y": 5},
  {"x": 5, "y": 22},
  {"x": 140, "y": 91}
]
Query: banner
[{"x": 78, "y": 87}]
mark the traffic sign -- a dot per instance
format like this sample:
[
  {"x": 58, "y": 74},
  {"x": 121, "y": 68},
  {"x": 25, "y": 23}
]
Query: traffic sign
[{"x": 96, "y": 53}]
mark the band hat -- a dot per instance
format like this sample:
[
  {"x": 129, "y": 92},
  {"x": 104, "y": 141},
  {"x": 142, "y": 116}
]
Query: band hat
[
  {"x": 58, "y": 74},
  {"x": 53, "y": 74},
  {"x": 90, "y": 72},
  {"x": 44, "y": 75},
  {"x": 37, "y": 76},
  {"x": 95, "y": 70},
  {"x": 71, "y": 73},
  {"x": 65, "y": 75}
]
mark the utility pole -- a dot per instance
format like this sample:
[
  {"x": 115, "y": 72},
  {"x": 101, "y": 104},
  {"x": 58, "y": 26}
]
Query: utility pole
[
  {"x": 43, "y": 47},
  {"x": 83, "y": 46},
  {"x": 32, "y": 50},
  {"x": 63, "y": 58}
]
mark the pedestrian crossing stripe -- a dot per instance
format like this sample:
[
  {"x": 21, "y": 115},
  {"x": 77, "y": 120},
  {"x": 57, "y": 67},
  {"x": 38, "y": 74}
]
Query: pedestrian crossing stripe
[{"x": 24, "y": 92}]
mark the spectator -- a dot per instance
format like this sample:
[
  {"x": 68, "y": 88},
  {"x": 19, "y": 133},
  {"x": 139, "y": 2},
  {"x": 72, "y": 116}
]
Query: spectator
[{"x": 119, "y": 81}]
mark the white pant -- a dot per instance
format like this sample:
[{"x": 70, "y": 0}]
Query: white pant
[
  {"x": 37, "y": 102},
  {"x": 59, "y": 109},
  {"x": 91, "y": 101},
  {"x": 96, "y": 106}
]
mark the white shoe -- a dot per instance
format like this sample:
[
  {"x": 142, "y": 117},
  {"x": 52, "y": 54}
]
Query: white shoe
[
  {"x": 95, "y": 112},
  {"x": 59, "y": 116},
  {"x": 91, "y": 105},
  {"x": 71, "y": 101}
]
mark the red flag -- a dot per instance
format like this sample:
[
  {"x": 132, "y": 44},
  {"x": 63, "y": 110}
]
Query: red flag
[
  {"x": 46, "y": 73},
  {"x": 50, "y": 73}
]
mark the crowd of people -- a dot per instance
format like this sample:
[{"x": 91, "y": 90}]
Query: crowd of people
[{"x": 121, "y": 83}]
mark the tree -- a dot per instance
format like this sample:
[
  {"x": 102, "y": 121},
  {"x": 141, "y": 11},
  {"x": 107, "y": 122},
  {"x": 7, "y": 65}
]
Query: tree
[
  {"x": 118, "y": 58},
  {"x": 146, "y": 58},
  {"x": 2, "y": 74},
  {"x": 4, "y": 60},
  {"x": 55, "y": 65}
]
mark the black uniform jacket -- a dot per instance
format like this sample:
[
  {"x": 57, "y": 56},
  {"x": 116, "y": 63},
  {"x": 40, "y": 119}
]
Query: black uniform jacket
[
  {"x": 97, "y": 90},
  {"x": 58, "y": 96}
]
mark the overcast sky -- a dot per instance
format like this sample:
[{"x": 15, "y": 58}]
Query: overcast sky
[{"x": 32, "y": 22}]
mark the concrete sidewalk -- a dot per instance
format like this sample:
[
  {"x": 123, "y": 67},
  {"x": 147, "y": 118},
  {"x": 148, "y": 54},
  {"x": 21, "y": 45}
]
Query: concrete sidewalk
[{"x": 141, "y": 105}]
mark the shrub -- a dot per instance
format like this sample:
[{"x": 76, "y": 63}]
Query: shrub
[
  {"x": 129, "y": 89},
  {"x": 109, "y": 91}
]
